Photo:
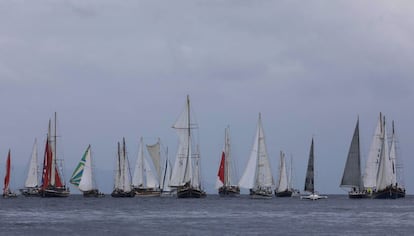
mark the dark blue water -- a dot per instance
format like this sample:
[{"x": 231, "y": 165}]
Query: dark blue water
[{"x": 210, "y": 216}]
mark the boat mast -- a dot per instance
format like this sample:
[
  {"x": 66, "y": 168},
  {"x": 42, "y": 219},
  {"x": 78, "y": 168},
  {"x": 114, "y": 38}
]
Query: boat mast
[
  {"x": 226, "y": 157},
  {"x": 188, "y": 137},
  {"x": 53, "y": 164},
  {"x": 258, "y": 151}
]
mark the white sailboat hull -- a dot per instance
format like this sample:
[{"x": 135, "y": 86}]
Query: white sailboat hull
[{"x": 313, "y": 196}]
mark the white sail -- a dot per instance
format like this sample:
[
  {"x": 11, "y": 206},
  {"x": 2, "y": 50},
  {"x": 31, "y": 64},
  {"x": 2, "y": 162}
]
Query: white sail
[
  {"x": 86, "y": 182},
  {"x": 138, "y": 179},
  {"x": 182, "y": 170},
  {"x": 248, "y": 178},
  {"x": 258, "y": 172},
  {"x": 264, "y": 176},
  {"x": 371, "y": 167},
  {"x": 283, "y": 177},
  {"x": 32, "y": 178},
  {"x": 155, "y": 154},
  {"x": 151, "y": 180},
  {"x": 385, "y": 175},
  {"x": 393, "y": 157}
]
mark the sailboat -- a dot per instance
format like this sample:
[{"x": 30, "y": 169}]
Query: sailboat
[
  {"x": 257, "y": 176},
  {"x": 224, "y": 181},
  {"x": 163, "y": 169},
  {"x": 31, "y": 185},
  {"x": 53, "y": 184},
  {"x": 283, "y": 189},
  {"x": 7, "y": 193},
  {"x": 144, "y": 182},
  {"x": 310, "y": 177},
  {"x": 82, "y": 176},
  {"x": 380, "y": 171},
  {"x": 186, "y": 176},
  {"x": 352, "y": 177},
  {"x": 122, "y": 186}
]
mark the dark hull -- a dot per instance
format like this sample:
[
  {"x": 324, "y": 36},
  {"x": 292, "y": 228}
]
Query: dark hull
[
  {"x": 389, "y": 193},
  {"x": 9, "y": 195},
  {"x": 122, "y": 194},
  {"x": 147, "y": 192},
  {"x": 261, "y": 194},
  {"x": 189, "y": 192},
  {"x": 30, "y": 192},
  {"x": 286, "y": 193},
  {"x": 54, "y": 192},
  {"x": 358, "y": 195},
  {"x": 230, "y": 191},
  {"x": 93, "y": 193}
]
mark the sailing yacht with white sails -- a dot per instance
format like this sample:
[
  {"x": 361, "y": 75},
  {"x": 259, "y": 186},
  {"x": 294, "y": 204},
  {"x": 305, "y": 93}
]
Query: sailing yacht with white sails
[
  {"x": 352, "y": 177},
  {"x": 31, "y": 185},
  {"x": 224, "y": 183},
  {"x": 123, "y": 187},
  {"x": 310, "y": 178},
  {"x": 284, "y": 184},
  {"x": 186, "y": 174},
  {"x": 257, "y": 176},
  {"x": 144, "y": 182},
  {"x": 380, "y": 178},
  {"x": 82, "y": 176}
]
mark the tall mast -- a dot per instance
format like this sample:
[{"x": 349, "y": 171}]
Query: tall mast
[
  {"x": 53, "y": 164},
  {"x": 226, "y": 157},
  {"x": 188, "y": 136},
  {"x": 258, "y": 149}
]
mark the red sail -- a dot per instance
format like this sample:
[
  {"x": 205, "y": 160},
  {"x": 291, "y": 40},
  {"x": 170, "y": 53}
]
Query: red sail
[
  {"x": 47, "y": 166},
  {"x": 7, "y": 177},
  {"x": 221, "y": 168},
  {"x": 58, "y": 182}
]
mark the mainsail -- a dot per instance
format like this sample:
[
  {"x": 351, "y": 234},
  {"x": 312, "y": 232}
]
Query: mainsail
[
  {"x": 258, "y": 173},
  {"x": 283, "y": 176},
  {"x": 371, "y": 167},
  {"x": 143, "y": 175},
  {"x": 309, "y": 181},
  {"x": 352, "y": 171},
  {"x": 187, "y": 166},
  {"x": 32, "y": 177},
  {"x": 6, "y": 189},
  {"x": 385, "y": 169},
  {"x": 82, "y": 175}
]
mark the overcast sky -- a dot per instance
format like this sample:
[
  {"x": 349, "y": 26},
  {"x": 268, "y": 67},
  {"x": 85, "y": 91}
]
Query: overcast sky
[{"x": 123, "y": 68}]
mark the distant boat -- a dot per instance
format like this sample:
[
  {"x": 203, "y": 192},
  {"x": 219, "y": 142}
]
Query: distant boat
[
  {"x": 352, "y": 177},
  {"x": 283, "y": 189},
  {"x": 381, "y": 172},
  {"x": 7, "y": 193},
  {"x": 31, "y": 185},
  {"x": 310, "y": 178},
  {"x": 225, "y": 184},
  {"x": 53, "y": 184},
  {"x": 122, "y": 186},
  {"x": 257, "y": 176},
  {"x": 144, "y": 182},
  {"x": 186, "y": 176},
  {"x": 82, "y": 176},
  {"x": 164, "y": 167}
]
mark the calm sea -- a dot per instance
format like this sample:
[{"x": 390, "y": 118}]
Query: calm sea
[{"x": 76, "y": 215}]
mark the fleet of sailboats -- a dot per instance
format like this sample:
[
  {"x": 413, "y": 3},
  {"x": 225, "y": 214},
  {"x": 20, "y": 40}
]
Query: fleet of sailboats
[
  {"x": 225, "y": 182},
  {"x": 155, "y": 176},
  {"x": 257, "y": 176},
  {"x": 186, "y": 174},
  {"x": 310, "y": 178},
  {"x": 82, "y": 176}
]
